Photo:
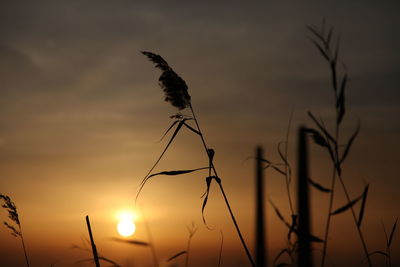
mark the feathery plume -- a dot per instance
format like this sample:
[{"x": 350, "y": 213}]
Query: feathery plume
[{"x": 174, "y": 87}]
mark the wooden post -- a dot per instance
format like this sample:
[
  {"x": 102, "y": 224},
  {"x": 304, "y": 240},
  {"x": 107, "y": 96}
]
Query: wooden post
[
  {"x": 260, "y": 248},
  {"x": 304, "y": 249}
]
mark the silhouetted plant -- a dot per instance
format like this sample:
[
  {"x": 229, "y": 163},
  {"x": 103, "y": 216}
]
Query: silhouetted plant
[
  {"x": 322, "y": 39},
  {"x": 86, "y": 246},
  {"x": 176, "y": 92},
  {"x": 94, "y": 249},
  {"x": 13, "y": 215},
  {"x": 388, "y": 244},
  {"x": 192, "y": 230}
]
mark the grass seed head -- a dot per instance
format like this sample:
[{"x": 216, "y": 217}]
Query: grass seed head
[{"x": 174, "y": 87}]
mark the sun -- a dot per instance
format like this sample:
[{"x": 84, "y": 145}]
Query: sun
[
  {"x": 126, "y": 223},
  {"x": 126, "y": 227}
]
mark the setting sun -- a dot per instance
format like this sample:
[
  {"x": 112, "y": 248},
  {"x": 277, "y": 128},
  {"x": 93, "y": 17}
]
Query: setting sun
[
  {"x": 126, "y": 227},
  {"x": 126, "y": 223}
]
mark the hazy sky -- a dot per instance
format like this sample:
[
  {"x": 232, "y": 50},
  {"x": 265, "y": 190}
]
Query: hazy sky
[{"x": 81, "y": 113}]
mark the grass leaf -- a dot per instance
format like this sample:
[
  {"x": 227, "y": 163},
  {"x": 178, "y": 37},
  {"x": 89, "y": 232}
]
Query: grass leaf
[
  {"x": 283, "y": 251},
  {"x": 328, "y": 38},
  {"x": 191, "y": 128},
  {"x": 177, "y": 255},
  {"x": 159, "y": 158},
  {"x": 178, "y": 172},
  {"x": 392, "y": 233},
  {"x": 346, "y": 207},
  {"x": 208, "y": 183},
  {"x": 363, "y": 203},
  {"x": 349, "y": 144},
  {"x": 279, "y": 214},
  {"x": 170, "y": 127},
  {"x": 318, "y": 138},
  {"x": 321, "y": 127},
  {"x": 131, "y": 242},
  {"x": 320, "y": 49},
  {"x": 319, "y": 187},
  {"x": 316, "y": 33},
  {"x": 340, "y": 102}
]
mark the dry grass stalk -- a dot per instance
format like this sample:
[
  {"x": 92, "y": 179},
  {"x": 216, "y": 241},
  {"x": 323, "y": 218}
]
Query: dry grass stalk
[
  {"x": 175, "y": 89},
  {"x": 94, "y": 249}
]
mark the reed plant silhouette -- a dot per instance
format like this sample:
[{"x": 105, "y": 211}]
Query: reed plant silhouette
[
  {"x": 94, "y": 249},
  {"x": 388, "y": 243},
  {"x": 191, "y": 230},
  {"x": 322, "y": 38},
  {"x": 176, "y": 92},
  {"x": 13, "y": 215},
  {"x": 86, "y": 246}
]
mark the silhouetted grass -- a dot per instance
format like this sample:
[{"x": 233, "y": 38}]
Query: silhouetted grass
[
  {"x": 322, "y": 39},
  {"x": 176, "y": 92},
  {"x": 13, "y": 215}
]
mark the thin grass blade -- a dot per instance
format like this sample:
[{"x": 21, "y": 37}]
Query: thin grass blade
[
  {"x": 282, "y": 252},
  {"x": 349, "y": 144},
  {"x": 340, "y": 102},
  {"x": 346, "y": 207},
  {"x": 208, "y": 183},
  {"x": 392, "y": 233},
  {"x": 319, "y": 187},
  {"x": 321, "y": 127},
  {"x": 167, "y": 131},
  {"x": 178, "y": 172},
  {"x": 363, "y": 203},
  {"x": 159, "y": 158},
  {"x": 131, "y": 242},
  {"x": 191, "y": 128},
  {"x": 177, "y": 255}
]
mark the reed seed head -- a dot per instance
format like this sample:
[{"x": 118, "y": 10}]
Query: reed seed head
[
  {"x": 174, "y": 87},
  {"x": 12, "y": 214}
]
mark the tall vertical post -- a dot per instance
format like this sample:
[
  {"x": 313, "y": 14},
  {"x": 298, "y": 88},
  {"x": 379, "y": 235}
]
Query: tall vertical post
[
  {"x": 260, "y": 233},
  {"x": 304, "y": 246}
]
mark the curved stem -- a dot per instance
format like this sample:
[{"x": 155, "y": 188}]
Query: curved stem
[{"x": 223, "y": 192}]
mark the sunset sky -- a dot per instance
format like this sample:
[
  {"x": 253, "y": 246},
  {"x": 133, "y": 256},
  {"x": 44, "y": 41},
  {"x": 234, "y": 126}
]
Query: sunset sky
[{"x": 81, "y": 114}]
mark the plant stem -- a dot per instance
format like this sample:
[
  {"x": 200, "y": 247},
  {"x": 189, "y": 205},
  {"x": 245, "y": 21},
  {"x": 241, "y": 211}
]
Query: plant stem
[
  {"x": 94, "y": 250},
  {"x": 222, "y": 191},
  {"x": 187, "y": 252},
  {"x": 328, "y": 221},
  {"x": 23, "y": 246},
  {"x": 355, "y": 221},
  {"x": 288, "y": 175},
  {"x": 150, "y": 237}
]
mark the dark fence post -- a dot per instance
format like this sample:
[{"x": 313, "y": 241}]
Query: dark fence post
[
  {"x": 260, "y": 230},
  {"x": 304, "y": 249}
]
